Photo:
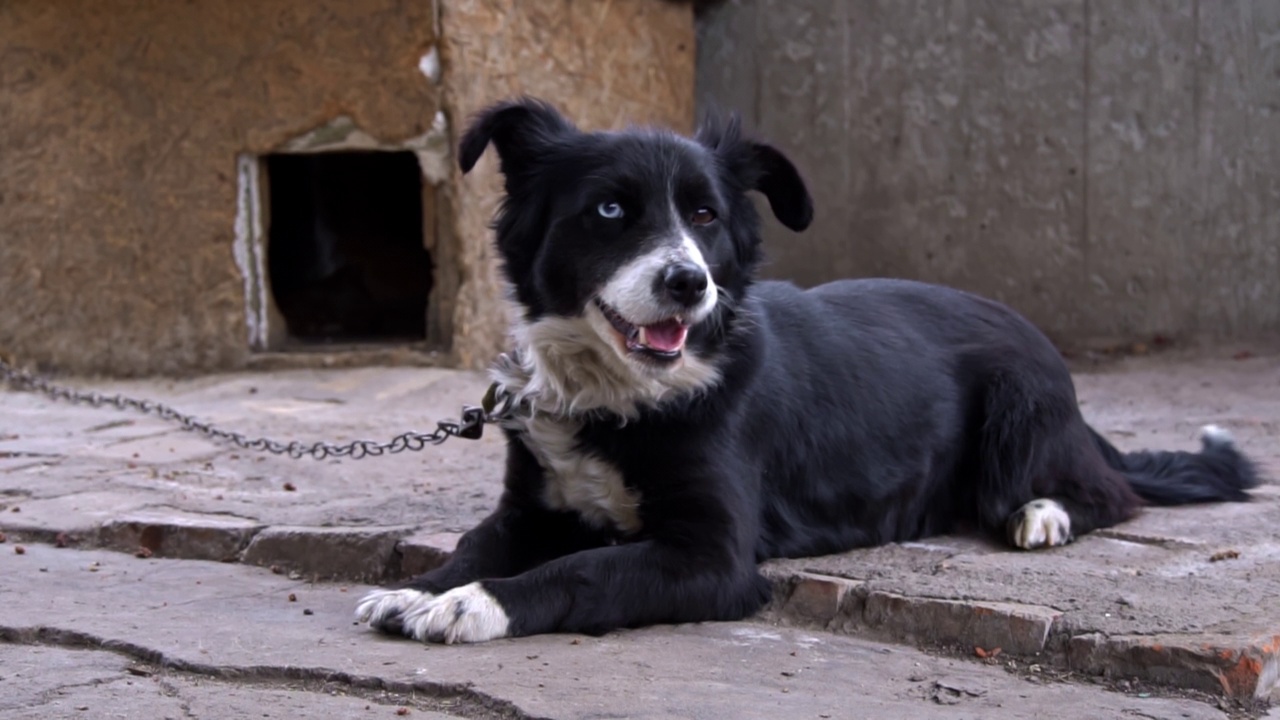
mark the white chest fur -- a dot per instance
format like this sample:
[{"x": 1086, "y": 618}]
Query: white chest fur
[{"x": 577, "y": 480}]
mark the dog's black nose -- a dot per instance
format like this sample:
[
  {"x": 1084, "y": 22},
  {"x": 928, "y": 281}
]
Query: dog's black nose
[{"x": 686, "y": 283}]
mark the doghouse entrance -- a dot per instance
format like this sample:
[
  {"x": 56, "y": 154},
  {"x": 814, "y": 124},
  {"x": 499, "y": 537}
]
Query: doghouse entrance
[{"x": 345, "y": 254}]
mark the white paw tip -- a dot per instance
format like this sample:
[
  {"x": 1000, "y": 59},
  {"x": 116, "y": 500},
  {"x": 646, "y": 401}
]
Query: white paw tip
[
  {"x": 468, "y": 614},
  {"x": 1216, "y": 435},
  {"x": 378, "y": 606},
  {"x": 1040, "y": 523}
]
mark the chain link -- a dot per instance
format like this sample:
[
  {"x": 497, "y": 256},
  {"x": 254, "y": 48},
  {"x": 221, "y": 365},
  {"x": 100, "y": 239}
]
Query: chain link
[{"x": 471, "y": 426}]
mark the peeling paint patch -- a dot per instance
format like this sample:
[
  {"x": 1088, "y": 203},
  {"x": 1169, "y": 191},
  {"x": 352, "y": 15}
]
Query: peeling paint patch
[
  {"x": 432, "y": 149},
  {"x": 248, "y": 249},
  {"x": 430, "y": 65},
  {"x": 341, "y": 133}
]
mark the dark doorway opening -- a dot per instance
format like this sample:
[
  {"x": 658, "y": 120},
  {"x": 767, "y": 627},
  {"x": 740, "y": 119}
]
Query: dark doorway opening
[{"x": 345, "y": 253}]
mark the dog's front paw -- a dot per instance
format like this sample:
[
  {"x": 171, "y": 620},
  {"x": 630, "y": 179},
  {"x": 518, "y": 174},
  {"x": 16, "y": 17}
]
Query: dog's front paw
[
  {"x": 385, "y": 609},
  {"x": 468, "y": 614}
]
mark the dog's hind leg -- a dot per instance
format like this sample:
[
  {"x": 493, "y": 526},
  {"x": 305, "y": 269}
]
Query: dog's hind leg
[
  {"x": 1098, "y": 486},
  {"x": 1081, "y": 504},
  {"x": 1041, "y": 480}
]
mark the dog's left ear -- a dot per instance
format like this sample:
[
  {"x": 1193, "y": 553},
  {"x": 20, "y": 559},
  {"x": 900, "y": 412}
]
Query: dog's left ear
[
  {"x": 781, "y": 183},
  {"x": 761, "y": 167},
  {"x": 520, "y": 130}
]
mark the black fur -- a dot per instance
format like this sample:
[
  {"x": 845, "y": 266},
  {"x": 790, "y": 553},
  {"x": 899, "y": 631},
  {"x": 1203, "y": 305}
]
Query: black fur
[{"x": 848, "y": 415}]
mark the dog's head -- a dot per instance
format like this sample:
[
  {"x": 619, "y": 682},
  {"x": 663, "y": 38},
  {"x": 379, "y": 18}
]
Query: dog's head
[{"x": 632, "y": 245}]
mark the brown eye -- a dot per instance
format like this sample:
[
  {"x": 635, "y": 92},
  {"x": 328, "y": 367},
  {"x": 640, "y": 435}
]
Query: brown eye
[{"x": 703, "y": 216}]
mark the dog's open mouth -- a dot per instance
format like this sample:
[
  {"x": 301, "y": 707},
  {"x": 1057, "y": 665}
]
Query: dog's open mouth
[{"x": 660, "y": 341}]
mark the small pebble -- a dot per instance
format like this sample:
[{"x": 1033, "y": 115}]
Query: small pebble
[
  {"x": 19, "y": 550},
  {"x": 293, "y": 598}
]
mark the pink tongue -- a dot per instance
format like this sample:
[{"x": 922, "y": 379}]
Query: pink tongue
[{"x": 666, "y": 336}]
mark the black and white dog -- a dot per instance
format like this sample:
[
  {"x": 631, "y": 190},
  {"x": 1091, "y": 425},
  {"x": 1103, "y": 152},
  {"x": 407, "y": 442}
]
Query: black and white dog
[{"x": 680, "y": 423}]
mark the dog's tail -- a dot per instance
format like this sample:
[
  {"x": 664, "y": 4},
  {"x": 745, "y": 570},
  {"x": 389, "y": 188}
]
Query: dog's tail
[{"x": 1219, "y": 472}]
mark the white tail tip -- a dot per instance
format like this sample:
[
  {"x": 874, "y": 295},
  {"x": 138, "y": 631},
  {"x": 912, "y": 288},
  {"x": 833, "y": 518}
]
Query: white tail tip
[{"x": 1216, "y": 435}]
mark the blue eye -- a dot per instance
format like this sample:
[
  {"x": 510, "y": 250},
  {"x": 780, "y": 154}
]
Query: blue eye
[{"x": 609, "y": 210}]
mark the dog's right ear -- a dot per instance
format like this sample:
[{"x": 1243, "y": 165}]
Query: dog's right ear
[{"x": 519, "y": 129}]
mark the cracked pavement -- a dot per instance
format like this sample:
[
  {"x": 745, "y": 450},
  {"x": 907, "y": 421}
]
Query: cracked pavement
[
  {"x": 50, "y": 681},
  {"x": 204, "y": 639},
  {"x": 157, "y": 568}
]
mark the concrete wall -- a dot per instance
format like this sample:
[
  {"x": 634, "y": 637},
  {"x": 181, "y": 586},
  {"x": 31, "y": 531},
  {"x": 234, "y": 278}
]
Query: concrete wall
[
  {"x": 121, "y": 125},
  {"x": 1109, "y": 167}
]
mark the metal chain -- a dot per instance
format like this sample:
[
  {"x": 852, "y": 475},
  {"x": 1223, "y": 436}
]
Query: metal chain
[{"x": 498, "y": 405}]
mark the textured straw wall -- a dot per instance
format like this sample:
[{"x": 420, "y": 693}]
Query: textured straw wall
[{"x": 121, "y": 122}]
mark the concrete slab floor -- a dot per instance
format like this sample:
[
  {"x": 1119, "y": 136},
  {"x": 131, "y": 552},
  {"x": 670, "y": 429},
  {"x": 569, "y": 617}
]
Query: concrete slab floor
[
  {"x": 152, "y": 637},
  {"x": 1177, "y": 598}
]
